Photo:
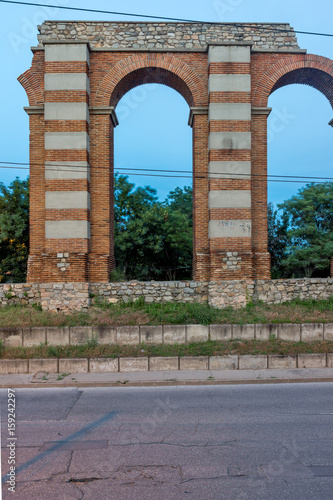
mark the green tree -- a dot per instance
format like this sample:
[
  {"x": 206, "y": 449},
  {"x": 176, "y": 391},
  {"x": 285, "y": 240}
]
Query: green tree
[
  {"x": 310, "y": 233},
  {"x": 277, "y": 241},
  {"x": 14, "y": 230},
  {"x": 153, "y": 239},
  {"x": 181, "y": 200}
]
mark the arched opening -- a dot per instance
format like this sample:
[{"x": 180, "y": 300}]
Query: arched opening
[
  {"x": 300, "y": 149},
  {"x": 153, "y": 237}
]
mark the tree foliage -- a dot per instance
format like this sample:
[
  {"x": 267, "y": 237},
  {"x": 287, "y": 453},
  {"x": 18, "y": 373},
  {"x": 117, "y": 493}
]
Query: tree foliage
[
  {"x": 153, "y": 239},
  {"x": 277, "y": 240},
  {"x": 305, "y": 229},
  {"x": 14, "y": 230}
]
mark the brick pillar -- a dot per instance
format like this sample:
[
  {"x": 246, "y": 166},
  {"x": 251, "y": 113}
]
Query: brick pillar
[
  {"x": 201, "y": 259},
  {"x": 261, "y": 257},
  {"x": 103, "y": 119},
  {"x": 36, "y": 193},
  {"x": 230, "y": 229},
  {"x": 67, "y": 183}
]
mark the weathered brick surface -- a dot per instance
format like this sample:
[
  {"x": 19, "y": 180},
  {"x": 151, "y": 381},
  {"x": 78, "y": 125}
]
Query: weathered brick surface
[{"x": 126, "y": 54}]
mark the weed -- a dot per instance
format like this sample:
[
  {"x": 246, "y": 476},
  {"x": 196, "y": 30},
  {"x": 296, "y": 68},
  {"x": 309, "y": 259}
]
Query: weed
[
  {"x": 37, "y": 307},
  {"x": 2, "y": 347},
  {"x": 117, "y": 275},
  {"x": 92, "y": 342},
  {"x": 61, "y": 376},
  {"x": 53, "y": 351}
]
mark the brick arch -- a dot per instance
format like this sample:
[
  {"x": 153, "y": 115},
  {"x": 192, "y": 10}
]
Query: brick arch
[
  {"x": 306, "y": 69},
  {"x": 32, "y": 87},
  {"x": 151, "y": 68}
]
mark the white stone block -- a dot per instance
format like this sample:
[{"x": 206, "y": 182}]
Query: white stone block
[
  {"x": 229, "y": 229},
  {"x": 230, "y": 169},
  {"x": 229, "y": 53},
  {"x": 229, "y": 111},
  {"x": 229, "y": 140},
  {"x": 66, "y": 140},
  {"x": 65, "y": 229},
  {"x": 230, "y": 199},
  {"x": 66, "y": 111},
  {"x": 66, "y": 81},
  {"x": 67, "y": 200},
  {"x": 66, "y": 52},
  {"x": 229, "y": 83}
]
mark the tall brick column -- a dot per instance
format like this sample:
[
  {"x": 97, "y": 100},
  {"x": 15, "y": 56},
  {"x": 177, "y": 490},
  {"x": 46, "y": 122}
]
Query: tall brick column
[
  {"x": 230, "y": 229},
  {"x": 67, "y": 184},
  {"x": 261, "y": 256}
]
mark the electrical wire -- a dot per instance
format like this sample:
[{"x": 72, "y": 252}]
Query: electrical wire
[
  {"x": 96, "y": 11},
  {"x": 210, "y": 176},
  {"x": 161, "y": 170},
  {"x": 200, "y": 175}
]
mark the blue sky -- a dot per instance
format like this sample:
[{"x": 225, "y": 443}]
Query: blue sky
[{"x": 154, "y": 118}]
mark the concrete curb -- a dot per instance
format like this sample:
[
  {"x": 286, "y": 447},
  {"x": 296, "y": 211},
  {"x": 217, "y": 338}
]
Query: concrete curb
[
  {"x": 174, "y": 363},
  {"x": 164, "y": 334}
]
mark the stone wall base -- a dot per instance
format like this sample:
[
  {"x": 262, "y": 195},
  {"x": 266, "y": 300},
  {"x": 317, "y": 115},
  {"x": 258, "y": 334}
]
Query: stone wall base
[{"x": 76, "y": 296}]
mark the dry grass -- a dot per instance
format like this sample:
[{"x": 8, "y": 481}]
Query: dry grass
[
  {"x": 210, "y": 348},
  {"x": 139, "y": 313}
]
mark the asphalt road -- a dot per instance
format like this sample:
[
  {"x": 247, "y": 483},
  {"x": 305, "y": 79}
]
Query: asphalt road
[{"x": 213, "y": 442}]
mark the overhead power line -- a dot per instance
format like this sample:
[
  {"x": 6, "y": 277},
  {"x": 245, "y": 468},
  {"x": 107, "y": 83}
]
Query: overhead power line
[
  {"x": 162, "y": 18},
  {"x": 167, "y": 173}
]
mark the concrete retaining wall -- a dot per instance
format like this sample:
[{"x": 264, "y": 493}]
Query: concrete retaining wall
[
  {"x": 144, "y": 364},
  {"x": 166, "y": 334}
]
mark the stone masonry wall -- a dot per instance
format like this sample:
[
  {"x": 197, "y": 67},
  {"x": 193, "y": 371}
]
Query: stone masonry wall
[
  {"x": 125, "y": 35},
  {"x": 77, "y": 296}
]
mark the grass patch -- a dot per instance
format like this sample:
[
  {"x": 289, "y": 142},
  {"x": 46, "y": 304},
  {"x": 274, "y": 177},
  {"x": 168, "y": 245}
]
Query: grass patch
[
  {"x": 209, "y": 348},
  {"x": 141, "y": 313}
]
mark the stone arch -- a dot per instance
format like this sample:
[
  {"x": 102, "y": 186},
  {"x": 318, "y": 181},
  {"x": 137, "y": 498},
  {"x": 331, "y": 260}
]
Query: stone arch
[
  {"x": 306, "y": 69},
  {"x": 151, "y": 68},
  {"x": 32, "y": 87}
]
